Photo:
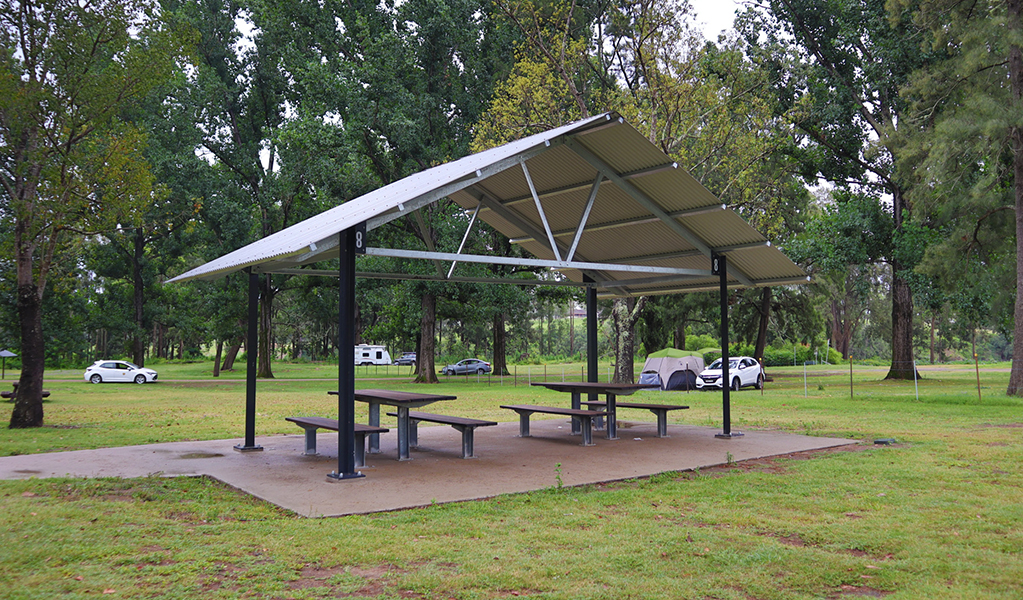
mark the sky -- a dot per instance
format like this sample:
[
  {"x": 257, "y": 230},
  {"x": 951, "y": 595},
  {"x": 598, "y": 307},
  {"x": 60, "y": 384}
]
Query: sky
[{"x": 714, "y": 15}]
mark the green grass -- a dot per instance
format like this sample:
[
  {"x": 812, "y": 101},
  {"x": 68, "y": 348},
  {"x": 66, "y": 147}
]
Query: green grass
[{"x": 937, "y": 515}]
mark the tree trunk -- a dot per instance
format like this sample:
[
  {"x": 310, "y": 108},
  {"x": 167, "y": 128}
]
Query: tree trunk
[
  {"x": 216, "y": 359},
  {"x": 138, "y": 342},
  {"x": 765, "y": 318},
  {"x": 902, "y": 331},
  {"x": 427, "y": 370},
  {"x": 229, "y": 358},
  {"x": 903, "y": 366},
  {"x": 500, "y": 349},
  {"x": 1014, "y": 22},
  {"x": 680, "y": 334},
  {"x": 264, "y": 344},
  {"x": 28, "y": 405},
  {"x": 624, "y": 313}
]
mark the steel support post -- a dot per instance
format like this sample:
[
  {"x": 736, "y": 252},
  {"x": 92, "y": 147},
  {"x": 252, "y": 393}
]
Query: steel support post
[
  {"x": 250, "y": 369},
  {"x": 346, "y": 358},
  {"x": 591, "y": 340},
  {"x": 726, "y": 384}
]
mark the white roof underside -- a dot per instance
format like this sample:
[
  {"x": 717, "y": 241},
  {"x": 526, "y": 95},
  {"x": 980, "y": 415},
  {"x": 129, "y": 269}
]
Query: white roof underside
[{"x": 647, "y": 213}]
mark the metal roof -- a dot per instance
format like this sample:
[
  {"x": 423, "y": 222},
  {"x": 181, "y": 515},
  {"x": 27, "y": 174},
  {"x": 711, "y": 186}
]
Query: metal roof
[{"x": 617, "y": 208}]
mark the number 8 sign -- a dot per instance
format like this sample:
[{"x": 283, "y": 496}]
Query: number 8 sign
[{"x": 359, "y": 232}]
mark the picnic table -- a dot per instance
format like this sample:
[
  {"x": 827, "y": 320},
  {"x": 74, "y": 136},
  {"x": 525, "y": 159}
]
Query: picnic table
[
  {"x": 403, "y": 401},
  {"x": 610, "y": 390}
]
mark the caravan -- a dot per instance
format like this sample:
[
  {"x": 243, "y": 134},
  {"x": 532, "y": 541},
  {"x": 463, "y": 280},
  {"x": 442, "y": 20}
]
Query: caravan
[{"x": 370, "y": 354}]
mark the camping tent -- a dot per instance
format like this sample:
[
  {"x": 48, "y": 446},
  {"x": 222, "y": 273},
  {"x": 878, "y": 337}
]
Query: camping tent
[{"x": 672, "y": 372}]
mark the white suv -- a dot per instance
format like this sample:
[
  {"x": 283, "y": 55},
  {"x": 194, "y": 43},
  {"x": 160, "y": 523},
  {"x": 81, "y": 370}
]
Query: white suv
[{"x": 742, "y": 370}]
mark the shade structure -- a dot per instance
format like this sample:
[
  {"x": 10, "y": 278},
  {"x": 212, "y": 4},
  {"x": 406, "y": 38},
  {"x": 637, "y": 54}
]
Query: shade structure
[{"x": 593, "y": 199}]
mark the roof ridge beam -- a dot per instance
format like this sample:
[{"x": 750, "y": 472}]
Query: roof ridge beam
[
  {"x": 460, "y": 184},
  {"x": 633, "y": 221},
  {"x": 647, "y": 202},
  {"x": 574, "y": 187}
]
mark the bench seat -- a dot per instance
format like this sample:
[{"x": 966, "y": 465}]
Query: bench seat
[
  {"x": 14, "y": 394},
  {"x": 311, "y": 424},
  {"x": 585, "y": 417},
  {"x": 661, "y": 410},
  {"x": 466, "y": 426}
]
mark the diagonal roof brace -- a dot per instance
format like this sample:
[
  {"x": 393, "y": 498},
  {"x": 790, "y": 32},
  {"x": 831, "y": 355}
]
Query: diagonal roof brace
[
  {"x": 490, "y": 201},
  {"x": 468, "y": 229},
  {"x": 586, "y": 215},
  {"x": 539, "y": 209}
]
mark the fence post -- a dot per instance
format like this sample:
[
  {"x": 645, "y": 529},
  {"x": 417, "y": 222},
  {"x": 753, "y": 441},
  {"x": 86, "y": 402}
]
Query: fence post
[
  {"x": 916, "y": 386},
  {"x": 976, "y": 365},
  {"x": 850, "y": 377}
]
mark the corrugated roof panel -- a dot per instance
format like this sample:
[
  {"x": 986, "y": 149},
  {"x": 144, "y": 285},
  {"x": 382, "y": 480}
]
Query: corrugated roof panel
[{"x": 620, "y": 227}]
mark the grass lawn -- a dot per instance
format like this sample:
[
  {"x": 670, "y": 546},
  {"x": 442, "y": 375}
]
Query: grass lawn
[{"x": 939, "y": 514}]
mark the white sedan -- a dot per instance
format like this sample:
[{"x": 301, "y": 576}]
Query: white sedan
[
  {"x": 742, "y": 370},
  {"x": 118, "y": 370}
]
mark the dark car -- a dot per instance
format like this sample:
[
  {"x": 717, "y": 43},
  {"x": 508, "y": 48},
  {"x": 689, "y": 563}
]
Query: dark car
[
  {"x": 406, "y": 359},
  {"x": 469, "y": 365}
]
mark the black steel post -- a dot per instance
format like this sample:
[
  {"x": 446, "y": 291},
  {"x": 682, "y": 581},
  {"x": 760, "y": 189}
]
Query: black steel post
[
  {"x": 591, "y": 333},
  {"x": 726, "y": 387},
  {"x": 346, "y": 359},
  {"x": 250, "y": 369}
]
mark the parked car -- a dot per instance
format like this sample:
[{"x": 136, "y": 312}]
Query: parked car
[
  {"x": 469, "y": 365},
  {"x": 742, "y": 370},
  {"x": 406, "y": 359},
  {"x": 117, "y": 370}
]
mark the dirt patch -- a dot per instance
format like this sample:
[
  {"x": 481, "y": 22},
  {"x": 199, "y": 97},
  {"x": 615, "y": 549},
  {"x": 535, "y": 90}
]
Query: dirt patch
[
  {"x": 374, "y": 581},
  {"x": 861, "y": 591},
  {"x": 1004, "y": 425},
  {"x": 772, "y": 464}
]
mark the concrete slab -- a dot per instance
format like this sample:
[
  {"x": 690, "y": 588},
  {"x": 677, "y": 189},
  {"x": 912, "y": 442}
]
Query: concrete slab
[{"x": 507, "y": 464}]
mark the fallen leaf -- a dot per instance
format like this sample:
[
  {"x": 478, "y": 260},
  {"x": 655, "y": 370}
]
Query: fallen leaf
[
  {"x": 79, "y": 578},
  {"x": 28, "y": 495},
  {"x": 110, "y": 591}
]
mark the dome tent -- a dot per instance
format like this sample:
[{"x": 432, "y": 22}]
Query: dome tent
[{"x": 672, "y": 369}]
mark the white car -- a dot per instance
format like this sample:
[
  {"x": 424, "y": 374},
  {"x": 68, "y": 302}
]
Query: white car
[
  {"x": 742, "y": 370},
  {"x": 118, "y": 370}
]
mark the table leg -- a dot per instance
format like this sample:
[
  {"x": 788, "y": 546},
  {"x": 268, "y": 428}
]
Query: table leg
[
  {"x": 576, "y": 404},
  {"x": 403, "y": 428},
  {"x": 374, "y": 419},
  {"x": 612, "y": 418}
]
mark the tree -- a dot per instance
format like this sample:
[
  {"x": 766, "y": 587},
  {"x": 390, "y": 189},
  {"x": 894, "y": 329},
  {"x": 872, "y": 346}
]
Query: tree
[
  {"x": 70, "y": 164},
  {"x": 840, "y": 66},
  {"x": 965, "y": 150}
]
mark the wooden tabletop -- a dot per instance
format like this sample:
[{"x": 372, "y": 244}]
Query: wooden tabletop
[
  {"x": 596, "y": 387},
  {"x": 390, "y": 396}
]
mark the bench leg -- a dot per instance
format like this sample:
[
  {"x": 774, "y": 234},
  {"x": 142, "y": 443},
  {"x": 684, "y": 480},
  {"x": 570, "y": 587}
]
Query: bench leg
[
  {"x": 467, "y": 438},
  {"x": 310, "y": 441},
  {"x": 576, "y": 403},
  {"x": 662, "y": 422},
  {"x": 598, "y": 423},
  {"x": 404, "y": 430},
  {"x": 587, "y": 426},
  {"x": 374, "y": 420},
  {"x": 413, "y": 433},
  {"x": 360, "y": 449},
  {"x": 524, "y": 423}
]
